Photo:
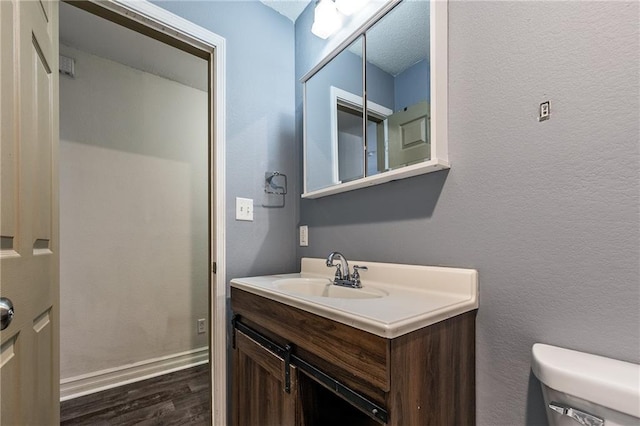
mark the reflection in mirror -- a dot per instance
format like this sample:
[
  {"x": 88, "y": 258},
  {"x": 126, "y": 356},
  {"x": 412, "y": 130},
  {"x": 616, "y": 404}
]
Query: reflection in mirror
[
  {"x": 397, "y": 54},
  {"x": 335, "y": 152},
  {"x": 404, "y": 122},
  {"x": 348, "y": 135}
]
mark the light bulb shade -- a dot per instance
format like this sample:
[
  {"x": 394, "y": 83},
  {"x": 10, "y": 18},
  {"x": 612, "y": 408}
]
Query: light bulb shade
[
  {"x": 349, "y": 7},
  {"x": 325, "y": 19}
]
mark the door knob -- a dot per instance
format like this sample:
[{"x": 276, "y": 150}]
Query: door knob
[{"x": 6, "y": 312}]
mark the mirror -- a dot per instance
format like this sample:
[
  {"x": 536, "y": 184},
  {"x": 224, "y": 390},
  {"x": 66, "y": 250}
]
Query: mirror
[
  {"x": 334, "y": 131},
  {"x": 397, "y": 61},
  {"x": 402, "y": 131}
]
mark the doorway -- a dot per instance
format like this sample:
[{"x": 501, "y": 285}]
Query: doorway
[{"x": 143, "y": 258}]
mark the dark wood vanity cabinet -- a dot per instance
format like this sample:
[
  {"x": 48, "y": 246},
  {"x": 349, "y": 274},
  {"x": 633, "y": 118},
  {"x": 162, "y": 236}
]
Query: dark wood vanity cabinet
[
  {"x": 259, "y": 396},
  {"x": 425, "y": 377}
]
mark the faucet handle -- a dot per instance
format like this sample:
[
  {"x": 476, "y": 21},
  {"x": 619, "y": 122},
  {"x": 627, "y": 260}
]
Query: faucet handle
[
  {"x": 338, "y": 275},
  {"x": 356, "y": 274}
]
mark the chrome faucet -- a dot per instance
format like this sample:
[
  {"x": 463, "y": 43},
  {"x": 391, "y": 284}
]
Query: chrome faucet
[{"x": 343, "y": 277}]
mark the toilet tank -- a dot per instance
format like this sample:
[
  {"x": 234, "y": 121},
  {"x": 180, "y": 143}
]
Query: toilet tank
[{"x": 581, "y": 388}]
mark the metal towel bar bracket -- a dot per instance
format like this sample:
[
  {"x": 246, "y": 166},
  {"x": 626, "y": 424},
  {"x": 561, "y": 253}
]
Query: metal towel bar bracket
[{"x": 275, "y": 183}]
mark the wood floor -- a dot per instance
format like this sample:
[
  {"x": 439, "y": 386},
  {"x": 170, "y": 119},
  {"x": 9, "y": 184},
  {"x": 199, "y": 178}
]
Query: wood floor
[{"x": 179, "y": 398}]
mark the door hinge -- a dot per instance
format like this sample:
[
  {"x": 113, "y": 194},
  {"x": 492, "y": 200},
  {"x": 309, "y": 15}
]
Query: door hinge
[{"x": 214, "y": 267}]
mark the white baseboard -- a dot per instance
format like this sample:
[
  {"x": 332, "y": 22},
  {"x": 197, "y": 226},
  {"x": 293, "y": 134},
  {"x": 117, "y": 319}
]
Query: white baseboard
[{"x": 85, "y": 384}]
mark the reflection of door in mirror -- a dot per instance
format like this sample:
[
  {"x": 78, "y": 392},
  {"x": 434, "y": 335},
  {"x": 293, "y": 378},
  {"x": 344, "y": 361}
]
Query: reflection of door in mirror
[
  {"x": 350, "y": 160},
  {"x": 348, "y": 135},
  {"x": 408, "y": 132}
]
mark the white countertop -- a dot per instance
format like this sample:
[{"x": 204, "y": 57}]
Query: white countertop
[{"x": 418, "y": 296}]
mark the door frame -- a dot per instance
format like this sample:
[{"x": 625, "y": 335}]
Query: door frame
[
  {"x": 149, "y": 19},
  {"x": 336, "y": 95}
]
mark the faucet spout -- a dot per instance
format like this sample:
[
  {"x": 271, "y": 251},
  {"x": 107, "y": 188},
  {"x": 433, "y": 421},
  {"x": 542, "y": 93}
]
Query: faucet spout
[{"x": 343, "y": 269}]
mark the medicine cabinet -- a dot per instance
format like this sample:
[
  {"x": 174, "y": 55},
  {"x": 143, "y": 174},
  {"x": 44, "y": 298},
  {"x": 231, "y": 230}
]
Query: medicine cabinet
[{"x": 396, "y": 65}]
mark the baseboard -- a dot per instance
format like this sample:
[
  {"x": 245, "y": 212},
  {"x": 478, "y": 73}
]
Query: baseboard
[{"x": 74, "y": 387}]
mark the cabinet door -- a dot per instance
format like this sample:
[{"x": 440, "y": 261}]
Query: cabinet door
[{"x": 259, "y": 396}]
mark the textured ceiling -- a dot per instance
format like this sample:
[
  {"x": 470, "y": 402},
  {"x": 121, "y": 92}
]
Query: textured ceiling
[
  {"x": 289, "y": 8},
  {"x": 401, "y": 39}
]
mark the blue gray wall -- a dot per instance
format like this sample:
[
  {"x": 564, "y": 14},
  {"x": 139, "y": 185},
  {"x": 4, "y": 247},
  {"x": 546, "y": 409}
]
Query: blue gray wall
[
  {"x": 413, "y": 85},
  {"x": 380, "y": 86},
  {"x": 260, "y": 128},
  {"x": 547, "y": 212}
]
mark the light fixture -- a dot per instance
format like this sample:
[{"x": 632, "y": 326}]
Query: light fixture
[
  {"x": 349, "y": 7},
  {"x": 325, "y": 19}
]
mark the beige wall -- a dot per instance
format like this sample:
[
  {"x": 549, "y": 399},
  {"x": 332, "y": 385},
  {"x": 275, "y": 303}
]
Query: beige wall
[{"x": 133, "y": 195}]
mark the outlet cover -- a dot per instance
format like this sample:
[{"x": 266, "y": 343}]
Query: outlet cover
[
  {"x": 304, "y": 236},
  {"x": 244, "y": 209},
  {"x": 202, "y": 326}
]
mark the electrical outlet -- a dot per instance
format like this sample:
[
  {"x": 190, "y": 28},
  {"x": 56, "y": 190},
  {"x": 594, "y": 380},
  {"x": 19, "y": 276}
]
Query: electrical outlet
[
  {"x": 202, "y": 326},
  {"x": 545, "y": 111},
  {"x": 244, "y": 209},
  {"x": 304, "y": 236}
]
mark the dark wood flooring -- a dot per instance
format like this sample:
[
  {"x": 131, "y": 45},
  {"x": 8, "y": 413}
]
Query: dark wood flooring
[{"x": 179, "y": 398}]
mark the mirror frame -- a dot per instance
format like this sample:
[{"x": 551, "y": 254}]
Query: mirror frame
[{"x": 439, "y": 160}]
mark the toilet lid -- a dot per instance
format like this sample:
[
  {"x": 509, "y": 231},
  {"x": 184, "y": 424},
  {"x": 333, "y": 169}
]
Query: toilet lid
[{"x": 603, "y": 381}]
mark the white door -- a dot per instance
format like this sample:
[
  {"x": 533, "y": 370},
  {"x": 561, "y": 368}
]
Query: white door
[
  {"x": 409, "y": 140},
  {"x": 29, "y": 364}
]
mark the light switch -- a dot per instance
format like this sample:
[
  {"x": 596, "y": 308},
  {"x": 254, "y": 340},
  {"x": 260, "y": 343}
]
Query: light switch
[{"x": 244, "y": 209}]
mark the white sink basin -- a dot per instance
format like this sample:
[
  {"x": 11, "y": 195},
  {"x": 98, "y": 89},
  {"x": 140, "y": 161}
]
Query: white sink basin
[
  {"x": 395, "y": 299},
  {"x": 324, "y": 287}
]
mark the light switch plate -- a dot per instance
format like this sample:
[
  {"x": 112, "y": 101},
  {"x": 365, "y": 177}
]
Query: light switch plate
[
  {"x": 244, "y": 209},
  {"x": 304, "y": 236}
]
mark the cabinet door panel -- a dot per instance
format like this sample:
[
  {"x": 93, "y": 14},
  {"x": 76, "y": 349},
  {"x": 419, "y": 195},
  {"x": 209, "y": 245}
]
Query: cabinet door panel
[{"x": 259, "y": 396}]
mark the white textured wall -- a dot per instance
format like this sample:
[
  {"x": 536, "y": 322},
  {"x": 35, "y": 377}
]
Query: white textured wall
[{"x": 133, "y": 196}]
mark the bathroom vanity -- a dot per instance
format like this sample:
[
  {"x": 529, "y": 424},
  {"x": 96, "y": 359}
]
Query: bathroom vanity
[{"x": 398, "y": 351}]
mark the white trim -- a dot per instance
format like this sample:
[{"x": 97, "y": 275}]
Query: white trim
[
  {"x": 304, "y": 138},
  {"x": 401, "y": 173},
  {"x": 439, "y": 21},
  {"x": 85, "y": 384},
  {"x": 160, "y": 19},
  {"x": 335, "y": 94}
]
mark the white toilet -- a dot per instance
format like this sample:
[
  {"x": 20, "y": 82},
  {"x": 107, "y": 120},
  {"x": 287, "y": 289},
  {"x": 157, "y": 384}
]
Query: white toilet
[{"x": 584, "y": 389}]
